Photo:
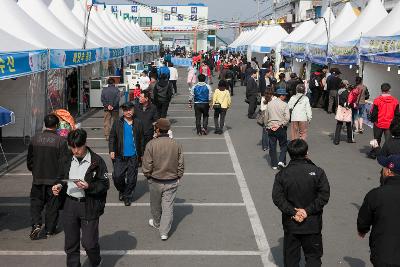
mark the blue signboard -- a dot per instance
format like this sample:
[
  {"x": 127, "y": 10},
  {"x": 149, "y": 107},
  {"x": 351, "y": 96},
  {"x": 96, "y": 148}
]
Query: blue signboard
[
  {"x": 134, "y": 9},
  {"x": 22, "y": 63},
  {"x": 60, "y": 58},
  {"x": 317, "y": 54},
  {"x": 116, "y": 53},
  {"x": 180, "y": 17},
  {"x": 167, "y": 17},
  {"x": 194, "y": 10},
  {"x": 381, "y": 50},
  {"x": 174, "y": 10},
  {"x": 344, "y": 53},
  {"x": 181, "y": 62}
]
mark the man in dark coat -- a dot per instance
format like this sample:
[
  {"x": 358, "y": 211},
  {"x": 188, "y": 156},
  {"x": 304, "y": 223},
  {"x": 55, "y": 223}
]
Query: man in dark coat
[
  {"x": 380, "y": 212},
  {"x": 146, "y": 112},
  {"x": 301, "y": 190},
  {"x": 251, "y": 95}
]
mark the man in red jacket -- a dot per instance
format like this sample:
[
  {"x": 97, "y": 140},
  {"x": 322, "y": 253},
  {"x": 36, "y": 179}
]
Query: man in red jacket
[{"x": 382, "y": 112}]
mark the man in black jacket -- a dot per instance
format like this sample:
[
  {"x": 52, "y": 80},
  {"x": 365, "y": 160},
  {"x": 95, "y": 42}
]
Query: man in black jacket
[
  {"x": 85, "y": 191},
  {"x": 146, "y": 112},
  {"x": 46, "y": 154},
  {"x": 162, "y": 93},
  {"x": 251, "y": 95},
  {"x": 300, "y": 191},
  {"x": 126, "y": 146},
  {"x": 381, "y": 212}
]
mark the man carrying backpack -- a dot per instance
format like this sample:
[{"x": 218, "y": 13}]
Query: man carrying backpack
[{"x": 201, "y": 96}]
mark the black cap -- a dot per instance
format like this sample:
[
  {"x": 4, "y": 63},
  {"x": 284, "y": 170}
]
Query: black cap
[{"x": 127, "y": 105}]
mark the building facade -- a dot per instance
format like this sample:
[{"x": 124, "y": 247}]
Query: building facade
[{"x": 171, "y": 25}]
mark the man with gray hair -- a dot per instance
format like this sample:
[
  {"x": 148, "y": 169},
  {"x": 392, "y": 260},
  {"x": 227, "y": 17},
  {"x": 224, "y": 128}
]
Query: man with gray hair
[{"x": 300, "y": 113}]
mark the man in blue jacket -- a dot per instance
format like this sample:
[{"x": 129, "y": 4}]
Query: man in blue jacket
[
  {"x": 164, "y": 70},
  {"x": 201, "y": 96}
]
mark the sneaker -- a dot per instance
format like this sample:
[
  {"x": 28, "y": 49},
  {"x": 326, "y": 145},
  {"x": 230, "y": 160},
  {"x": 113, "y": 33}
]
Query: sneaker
[
  {"x": 204, "y": 131},
  {"x": 274, "y": 168},
  {"x": 164, "y": 237},
  {"x": 127, "y": 202},
  {"x": 35, "y": 233},
  {"x": 152, "y": 224},
  {"x": 281, "y": 165}
]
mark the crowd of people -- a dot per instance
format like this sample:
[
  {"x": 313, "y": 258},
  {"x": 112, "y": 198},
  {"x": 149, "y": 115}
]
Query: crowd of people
[{"x": 68, "y": 174}]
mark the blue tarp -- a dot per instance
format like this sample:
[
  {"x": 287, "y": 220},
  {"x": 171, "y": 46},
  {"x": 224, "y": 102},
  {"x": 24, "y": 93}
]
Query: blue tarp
[
  {"x": 6, "y": 117},
  {"x": 181, "y": 62}
]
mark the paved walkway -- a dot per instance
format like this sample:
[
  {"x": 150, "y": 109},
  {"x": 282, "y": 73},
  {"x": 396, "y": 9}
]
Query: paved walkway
[{"x": 224, "y": 214}]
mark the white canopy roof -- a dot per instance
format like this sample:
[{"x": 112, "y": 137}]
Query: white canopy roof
[
  {"x": 319, "y": 28},
  {"x": 270, "y": 37},
  {"x": 345, "y": 18},
  {"x": 10, "y": 43},
  {"x": 60, "y": 9},
  {"x": 95, "y": 24},
  {"x": 19, "y": 24},
  {"x": 145, "y": 38},
  {"x": 389, "y": 26},
  {"x": 243, "y": 35},
  {"x": 112, "y": 26},
  {"x": 39, "y": 12},
  {"x": 300, "y": 32},
  {"x": 373, "y": 13}
]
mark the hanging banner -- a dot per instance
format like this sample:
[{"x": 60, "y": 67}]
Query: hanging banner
[
  {"x": 317, "y": 53},
  {"x": 261, "y": 49},
  {"x": 285, "y": 49},
  {"x": 60, "y": 58},
  {"x": 181, "y": 62},
  {"x": 344, "y": 53},
  {"x": 112, "y": 53},
  {"x": 22, "y": 63},
  {"x": 298, "y": 50},
  {"x": 381, "y": 50}
]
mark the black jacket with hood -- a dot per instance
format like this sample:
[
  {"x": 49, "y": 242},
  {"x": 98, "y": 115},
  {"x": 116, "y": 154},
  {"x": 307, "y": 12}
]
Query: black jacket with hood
[{"x": 163, "y": 91}]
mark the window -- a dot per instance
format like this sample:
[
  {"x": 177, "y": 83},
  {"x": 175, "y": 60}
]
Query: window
[{"x": 145, "y": 22}]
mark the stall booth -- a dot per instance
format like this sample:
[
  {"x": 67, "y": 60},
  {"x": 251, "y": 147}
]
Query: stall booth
[
  {"x": 380, "y": 54},
  {"x": 343, "y": 50}
]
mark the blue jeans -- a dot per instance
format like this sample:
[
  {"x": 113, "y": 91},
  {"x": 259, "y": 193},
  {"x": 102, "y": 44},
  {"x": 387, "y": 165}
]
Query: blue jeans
[
  {"x": 264, "y": 139},
  {"x": 280, "y": 136}
]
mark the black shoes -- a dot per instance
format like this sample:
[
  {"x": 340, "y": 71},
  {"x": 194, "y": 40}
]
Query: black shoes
[
  {"x": 127, "y": 202},
  {"x": 35, "y": 233},
  {"x": 218, "y": 131},
  {"x": 120, "y": 197}
]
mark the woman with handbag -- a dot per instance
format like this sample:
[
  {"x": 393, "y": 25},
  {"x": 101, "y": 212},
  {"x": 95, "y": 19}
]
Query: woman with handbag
[
  {"x": 344, "y": 113},
  {"x": 221, "y": 103},
  {"x": 268, "y": 96},
  {"x": 357, "y": 99}
]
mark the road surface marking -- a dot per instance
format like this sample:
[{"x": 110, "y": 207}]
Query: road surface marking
[
  {"x": 185, "y": 174},
  {"x": 177, "y": 138},
  {"x": 255, "y": 221},
  {"x": 185, "y": 153},
  {"x": 27, "y": 204},
  {"x": 135, "y": 252}
]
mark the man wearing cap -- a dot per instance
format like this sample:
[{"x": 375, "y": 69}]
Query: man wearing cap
[
  {"x": 276, "y": 119},
  {"x": 163, "y": 165},
  {"x": 380, "y": 212},
  {"x": 126, "y": 147}
]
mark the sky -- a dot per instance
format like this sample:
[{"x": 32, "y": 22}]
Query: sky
[{"x": 227, "y": 10}]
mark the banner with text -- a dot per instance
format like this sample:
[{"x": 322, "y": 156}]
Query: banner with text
[{"x": 18, "y": 64}]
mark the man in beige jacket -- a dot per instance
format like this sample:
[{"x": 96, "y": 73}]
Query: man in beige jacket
[
  {"x": 276, "y": 118},
  {"x": 163, "y": 165}
]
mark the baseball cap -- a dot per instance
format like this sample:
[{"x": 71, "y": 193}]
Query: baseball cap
[
  {"x": 281, "y": 91},
  {"x": 163, "y": 124},
  {"x": 392, "y": 162}
]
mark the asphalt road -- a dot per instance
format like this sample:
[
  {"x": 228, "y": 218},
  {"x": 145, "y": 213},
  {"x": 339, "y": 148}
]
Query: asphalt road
[{"x": 224, "y": 215}]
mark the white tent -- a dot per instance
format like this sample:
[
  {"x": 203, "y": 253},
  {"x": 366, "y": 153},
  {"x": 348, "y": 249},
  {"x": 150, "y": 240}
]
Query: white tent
[
  {"x": 95, "y": 25},
  {"x": 145, "y": 38},
  {"x": 269, "y": 39},
  {"x": 345, "y": 18},
  {"x": 10, "y": 43},
  {"x": 386, "y": 31},
  {"x": 300, "y": 32},
  {"x": 19, "y": 24},
  {"x": 39, "y": 12},
  {"x": 373, "y": 13},
  {"x": 245, "y": 36},
  {"x": 60, "y": 9},
  {"x": 238, "y": 39},
  {"x": 320, "y": 28},
  {"x": 259, "y": 31},
  {"x": 111, "y": 23}
]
